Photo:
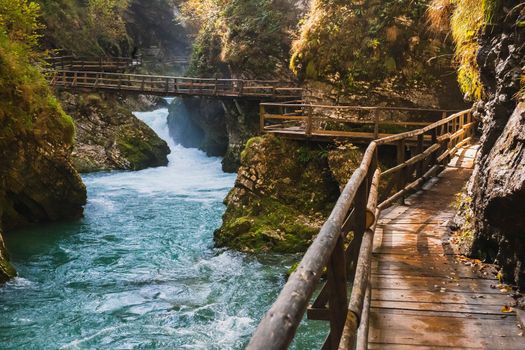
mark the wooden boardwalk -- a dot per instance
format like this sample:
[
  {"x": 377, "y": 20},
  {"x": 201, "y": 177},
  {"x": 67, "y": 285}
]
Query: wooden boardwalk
[
  {"x": 359, "y": 124},
  {"x": 422, "y": 296},
  {"x": 396, "y": 283}
]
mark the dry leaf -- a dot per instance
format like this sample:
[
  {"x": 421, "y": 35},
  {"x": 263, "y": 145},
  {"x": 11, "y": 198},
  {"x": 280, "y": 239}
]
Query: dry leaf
[{"x": 506, "y": 309}]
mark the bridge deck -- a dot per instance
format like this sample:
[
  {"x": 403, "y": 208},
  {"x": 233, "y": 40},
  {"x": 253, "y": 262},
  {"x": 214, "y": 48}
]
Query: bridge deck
[{"x": 422, "y": 296}]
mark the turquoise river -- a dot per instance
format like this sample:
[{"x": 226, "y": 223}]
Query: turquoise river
[{"x": 140, "y": 271}]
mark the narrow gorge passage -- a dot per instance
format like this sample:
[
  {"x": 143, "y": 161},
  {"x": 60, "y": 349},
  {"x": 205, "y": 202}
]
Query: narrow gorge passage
[{"x": 140, "y": 270}]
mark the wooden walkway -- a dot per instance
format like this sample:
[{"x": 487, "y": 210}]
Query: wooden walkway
[
  {"x": 173, "y": 86},
  {"x": 422, "y": 296},
  {"x": 101, "y": 64},
  {"x": 395, "y": 283},
  {"x": 359, "y": 124}
]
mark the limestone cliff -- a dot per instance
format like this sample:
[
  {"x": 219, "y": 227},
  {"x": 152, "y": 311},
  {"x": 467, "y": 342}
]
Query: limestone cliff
[
  {"x": 116, "y": 28},
  {"x": 220, "y": 128},
  {"x": 497, "y": 188},
  {"x": 283, "y": 193},
  {"x": 38, "y": 182},
  {"x": 109, "y": 136},
  {"x": 372, "y": 52}
]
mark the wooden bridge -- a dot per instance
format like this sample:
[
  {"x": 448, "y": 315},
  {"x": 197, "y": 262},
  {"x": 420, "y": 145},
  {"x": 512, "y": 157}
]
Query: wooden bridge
[
  {"x": 392, "y": 278},
  {"x": 100, "y": 64},
  {"x": 173, "y": 86}
]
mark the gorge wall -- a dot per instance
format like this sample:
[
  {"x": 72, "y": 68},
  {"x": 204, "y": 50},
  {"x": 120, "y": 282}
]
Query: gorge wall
[
  {"x": 497, "y": 188},
  {"x": 38, "y": 182},
  {"x": 109, "y": 136}
]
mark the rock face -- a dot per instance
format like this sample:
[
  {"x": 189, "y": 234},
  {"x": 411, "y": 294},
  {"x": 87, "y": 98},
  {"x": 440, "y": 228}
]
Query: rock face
[
  {"x": 110, "y": 137},
  {"x": 38, "y": 182},
  {"x": 6, "y": 270},
  {"x": 375, "y": 53},
  {"x": 199, "y": 123},
  {"x": 220, "y": 128},
  {"x": 497, "y": 188},
  {"x": 283, "y": 193}
]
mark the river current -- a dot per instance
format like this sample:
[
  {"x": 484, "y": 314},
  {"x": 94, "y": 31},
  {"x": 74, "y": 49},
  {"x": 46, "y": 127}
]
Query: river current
[{"x": 140, "y": 271}]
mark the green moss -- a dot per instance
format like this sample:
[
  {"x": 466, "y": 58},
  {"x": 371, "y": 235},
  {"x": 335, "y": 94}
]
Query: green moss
[
  {"x": 250, "y": 36},
  {"x": 293, "y": 191},
  {"x": 7, "y": 271},
  {"x": 248, "y": 146},
  {"x": 348, "y": 43},
  {"x": 268, "y": 225}
]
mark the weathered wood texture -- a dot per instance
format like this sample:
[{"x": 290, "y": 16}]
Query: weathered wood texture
[
  {"x": 354, "y": 211},
  {"x": 422, "y": 296},
  {"x": 173, "y": 86},
  {"x": 358, "y": 123},
  {"x": 101, "y": 64}
]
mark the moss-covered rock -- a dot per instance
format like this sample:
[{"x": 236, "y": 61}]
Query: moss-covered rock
[
  {"x": 284, "y": 192},
  {"x": 37, "y": 180},
  {"x": 371, "y": 52},
  {"x": 110, "y": 137},
  {"x": 7, "y": 271}
]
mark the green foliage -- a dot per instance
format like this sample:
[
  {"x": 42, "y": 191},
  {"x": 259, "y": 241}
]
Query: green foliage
[
  {"x": 89, "y": 28},
  {"x": 28, "y": 107},
  {"x": 248, "y": 36},
  {"x": 19, "y": 19},
  {"x": 348, "y": 42},
  {"x": 467, "y": 20}
]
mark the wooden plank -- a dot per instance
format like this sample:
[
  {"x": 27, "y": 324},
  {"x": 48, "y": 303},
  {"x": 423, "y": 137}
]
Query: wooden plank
[
  {"x": 449, "y": 297},
  {"x": 454, "y": 332},
  {"x": 472, "y": 309},
  {"x": 452, "y": 284}
]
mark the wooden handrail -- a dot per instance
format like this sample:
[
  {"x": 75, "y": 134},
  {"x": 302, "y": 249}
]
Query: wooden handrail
[
  {"x": 358, "y": 208},
  {"x": 358, "y": 108},
  {"x": 174, "y": 85},
  {"x": 318, "y": 121}
]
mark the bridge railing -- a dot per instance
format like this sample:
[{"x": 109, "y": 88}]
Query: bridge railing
[
  {"x": 344, "y": 121},
  {"x": 101, "y": 64},
  {"x": 343, "y": 247},
  {"x": 168, "y": 85}
]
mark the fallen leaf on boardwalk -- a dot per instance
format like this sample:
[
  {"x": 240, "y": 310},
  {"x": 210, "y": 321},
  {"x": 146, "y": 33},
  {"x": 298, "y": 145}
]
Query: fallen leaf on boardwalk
[
  {"x": 506, "y": 309},
  {"x": 504, "y": 288}
]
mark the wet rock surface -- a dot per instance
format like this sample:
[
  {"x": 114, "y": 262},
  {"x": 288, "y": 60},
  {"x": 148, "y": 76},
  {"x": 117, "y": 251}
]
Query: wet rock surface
[
  {"x": 218, "y": 127},
  {"x": 284, "y": 192},
  {"x": 497, "y": 188},
  {"x": 110, "y": 137}
]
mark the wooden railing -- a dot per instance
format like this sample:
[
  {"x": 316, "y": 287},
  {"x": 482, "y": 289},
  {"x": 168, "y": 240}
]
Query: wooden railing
[
  {"x": 174, "y": 86},
  {"x": 367, "y": 123},
  {"x": 102, "y": 64},
  {"x": 346, "y": 258}
]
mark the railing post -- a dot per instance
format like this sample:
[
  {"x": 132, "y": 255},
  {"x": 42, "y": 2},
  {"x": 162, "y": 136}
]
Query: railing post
[
  {"x": 241, "y": 87},
  {"x": 262, "y": 112},
  {"x": 400, "y": 160},
  {"x": 420, "y": 167},
  {"x": 376, "y": 126},
  {"x": 338, "y": 299},
  {"x": 309, "y": 112}
]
